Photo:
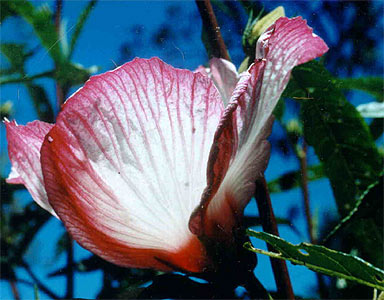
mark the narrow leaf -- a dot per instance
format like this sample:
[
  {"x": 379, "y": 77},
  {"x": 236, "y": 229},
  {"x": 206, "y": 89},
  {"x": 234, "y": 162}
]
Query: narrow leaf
[
  {"x": 292, "y": 179},
  {"x": 80, "y": 24},
  {"x": 16, "y": 55},
  {"x": 41, "y": 21},
  {"x": 322, "y": 260},
  {"x": 371, "y": 85},
  {"x": 40, "y": 102}
]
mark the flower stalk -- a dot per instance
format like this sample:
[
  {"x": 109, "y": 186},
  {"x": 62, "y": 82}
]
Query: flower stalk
[
  {"x": 267, "y": 216},
  {"x": 212, "y": 29},
  {"x": 269, "y": 224}
]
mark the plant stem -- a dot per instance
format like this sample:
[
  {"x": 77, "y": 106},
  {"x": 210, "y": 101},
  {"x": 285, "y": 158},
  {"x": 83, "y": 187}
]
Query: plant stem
[
  {"x": 302, "y": 156},
  {"x": 15, "y": 290},
  {"x": 268, "y": 222},
  {"x": 70, "y": 269},
  {"x": 59, "y": 89},
  {"x": 26, "y": 78},
  {"x": 212, "y": 29},
  {"x": 39, "y": 284},
  {"x": 254, "y": 287}
]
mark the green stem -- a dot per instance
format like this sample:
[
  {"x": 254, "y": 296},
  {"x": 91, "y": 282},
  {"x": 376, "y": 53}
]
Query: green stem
[{"x": 26, "y": 78}]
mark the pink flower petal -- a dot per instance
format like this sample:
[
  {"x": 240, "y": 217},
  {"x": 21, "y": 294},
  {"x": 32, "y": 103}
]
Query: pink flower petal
[
  {"x": 24, "y": 143},
  {"x": 286, "y": 44},
  {"x": 222, "y": 151},
  {"x": 14, "y": 177},
  {"x": 224, "y": 75},
  {"x": 124, "y": 166}
]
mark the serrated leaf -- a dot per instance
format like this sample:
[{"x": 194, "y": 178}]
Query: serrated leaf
[
  {"x": 321, "y": 259},
  {"x": 371, "y": 85},
  {"x": 339, "y": 135},
  {"x": 354, "y": 211}
]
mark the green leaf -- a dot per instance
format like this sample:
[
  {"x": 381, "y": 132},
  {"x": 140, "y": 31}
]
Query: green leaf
[
  {"x": 339, "y": 135},
  {"x": 40, "y": 102},
  {"x": 16, "y": 55},
  {"x": 73, "y": 74},
  {"x": 24, "y": 78},
  {"x": 322, "y": 260},
  {"x": 376, "y": 128},
  {"x": 352, "y": 212},
  {"x": 292, "y": 179},
  {"x": 6, "y": 10},
  {"x": 264, "y": 23},
  {"x": 279, "y": 110},
  {"x": 80, "y": 24},
  {"x": 41, "y": 21},
  {"x": 371, "y": 85}
]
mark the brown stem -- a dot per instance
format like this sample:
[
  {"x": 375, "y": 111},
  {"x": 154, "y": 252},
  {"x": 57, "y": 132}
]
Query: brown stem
[
  {"x": 302, "y": 156},
  {"x": 269, "y": 224},
  {"x": 15, "y": 290},
  {"x": 212, "y": 29},
  {"x": 304, "y": 187}
]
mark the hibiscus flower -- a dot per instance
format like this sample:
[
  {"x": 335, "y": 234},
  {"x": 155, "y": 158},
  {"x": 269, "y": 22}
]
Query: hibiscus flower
[{"x": 148, "y": 165}]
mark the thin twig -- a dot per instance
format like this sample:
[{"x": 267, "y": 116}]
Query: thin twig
[
  {"x": 212, "y": 29},
  {"x": 268, "y": 222},
  {"x": 302, "y": 156},
  {"x": 70, "y": 269},
  {"x": 39, "y": 284},
  {"x": 59, "y": 89},
  {"x": 26, "y": 78},
  {"x": 15, "y": 290},
  {"x": 254, "y": 287}
]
